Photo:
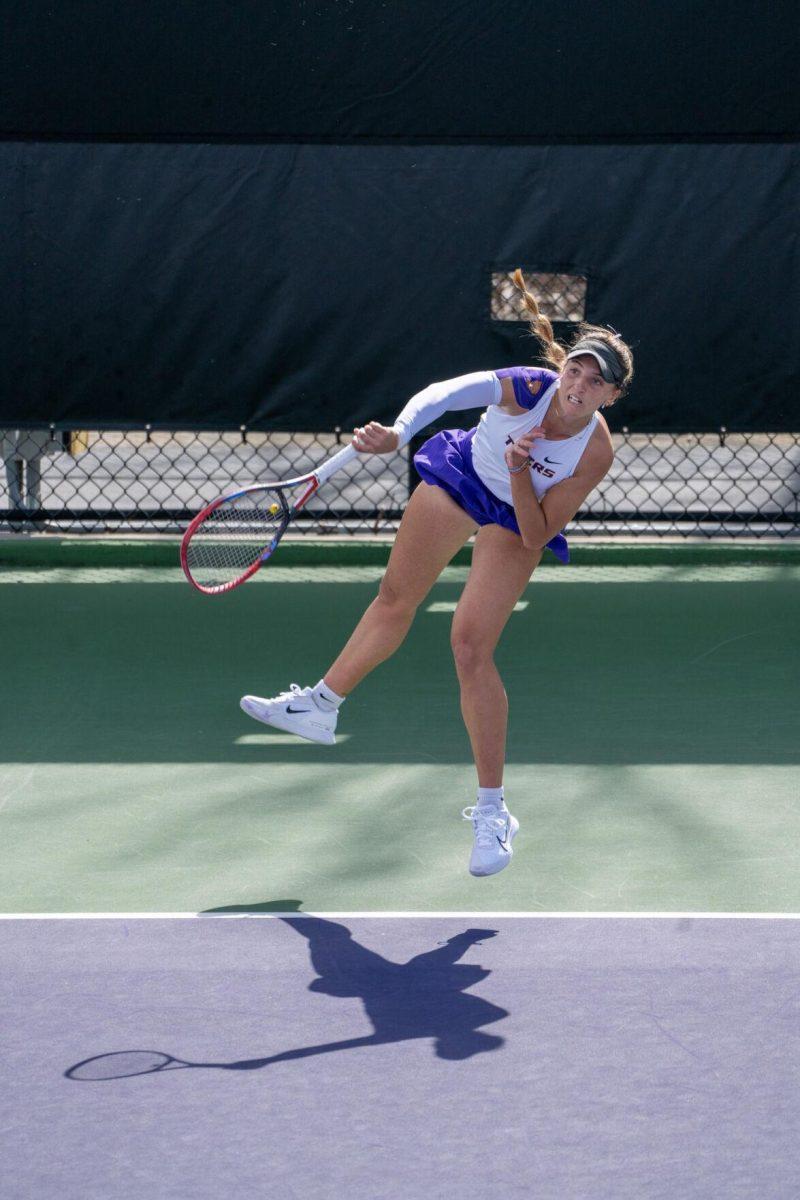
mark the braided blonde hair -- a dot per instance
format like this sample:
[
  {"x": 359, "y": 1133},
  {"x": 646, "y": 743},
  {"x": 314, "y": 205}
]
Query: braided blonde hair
[{"x": 553, "y": 352}]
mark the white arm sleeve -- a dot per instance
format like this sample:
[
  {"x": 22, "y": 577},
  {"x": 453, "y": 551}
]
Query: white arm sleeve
[{"x": 478, "y": 390}]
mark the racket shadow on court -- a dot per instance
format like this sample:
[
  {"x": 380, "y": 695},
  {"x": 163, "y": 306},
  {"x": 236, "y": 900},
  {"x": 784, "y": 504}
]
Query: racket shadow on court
[{"x": 424, "y": 998}]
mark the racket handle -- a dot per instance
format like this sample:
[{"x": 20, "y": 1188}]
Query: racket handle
[{"x": 339, "y": 460}]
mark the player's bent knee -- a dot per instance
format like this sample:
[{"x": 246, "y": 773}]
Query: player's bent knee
[
  {"x": 396, "y": 601},
  {"x": 471, "y": 654}
]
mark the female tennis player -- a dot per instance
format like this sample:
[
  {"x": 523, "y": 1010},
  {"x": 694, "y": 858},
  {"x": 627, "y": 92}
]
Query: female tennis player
[{"x": 517, "y": 479}]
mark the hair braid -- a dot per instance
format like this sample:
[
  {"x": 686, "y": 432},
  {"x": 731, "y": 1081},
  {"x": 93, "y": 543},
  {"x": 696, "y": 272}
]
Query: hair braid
[
  {"x": 541, "y": 327},
  {"x": 554, "y": 353}
]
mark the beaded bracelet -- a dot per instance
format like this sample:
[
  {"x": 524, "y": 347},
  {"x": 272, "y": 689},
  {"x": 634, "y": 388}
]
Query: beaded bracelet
[{"x": 516, "y": 470}]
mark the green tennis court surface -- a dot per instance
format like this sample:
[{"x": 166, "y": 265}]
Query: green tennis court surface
[{"x": 652, "y": 756}]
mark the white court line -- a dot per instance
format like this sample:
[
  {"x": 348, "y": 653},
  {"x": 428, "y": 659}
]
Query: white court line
[
  {"x": 665, "y": 573},
  {"x": 277, "y": 739},
  {"x": 448, "y": 606},
  {"x": 426, "y": 916}
]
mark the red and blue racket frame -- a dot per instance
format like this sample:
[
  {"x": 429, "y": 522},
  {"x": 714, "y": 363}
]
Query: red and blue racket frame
[{"x": 271, "y": 507}]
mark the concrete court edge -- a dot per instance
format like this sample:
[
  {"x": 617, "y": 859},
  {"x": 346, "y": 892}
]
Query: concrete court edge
[{"x": 115, "y": 551}]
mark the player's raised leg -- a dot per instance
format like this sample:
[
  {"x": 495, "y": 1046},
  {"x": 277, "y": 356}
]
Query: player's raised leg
[
  {"x": 432, "y": 530},
  {"x": 501, "y": 569}
]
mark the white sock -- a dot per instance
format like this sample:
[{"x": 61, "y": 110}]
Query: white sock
[
  {"x": 325, "y": 697},
  {"x": 491, "y": 798}
]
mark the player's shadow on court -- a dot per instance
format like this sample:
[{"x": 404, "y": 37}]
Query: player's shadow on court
[{"x": 424, "y": 998}]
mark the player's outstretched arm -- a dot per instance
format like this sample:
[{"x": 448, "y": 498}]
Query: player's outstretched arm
[
  {"x": 375, "y": 438},
  {"x": 477, "y": 390}
]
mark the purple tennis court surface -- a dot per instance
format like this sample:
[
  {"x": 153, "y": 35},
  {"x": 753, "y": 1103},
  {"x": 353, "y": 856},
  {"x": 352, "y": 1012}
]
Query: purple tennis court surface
[{"x": 387, "y": 1057}]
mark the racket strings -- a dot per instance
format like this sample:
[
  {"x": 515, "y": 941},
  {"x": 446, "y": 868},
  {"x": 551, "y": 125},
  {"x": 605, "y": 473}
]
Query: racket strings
[{"x": 235, "y": 536}]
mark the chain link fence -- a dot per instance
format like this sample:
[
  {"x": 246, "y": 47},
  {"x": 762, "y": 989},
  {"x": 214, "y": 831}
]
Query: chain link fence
[
  {"x": 147, "y": 480},
  {"x": 61, "y": 481}
]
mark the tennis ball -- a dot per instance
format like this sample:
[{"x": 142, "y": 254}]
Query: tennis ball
[{"x": 274, "y": 508}]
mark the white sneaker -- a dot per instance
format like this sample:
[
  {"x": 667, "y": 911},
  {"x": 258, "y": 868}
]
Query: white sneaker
[
  {"x": 494, "y": 832},
  {"x": 295, "y": 711}
]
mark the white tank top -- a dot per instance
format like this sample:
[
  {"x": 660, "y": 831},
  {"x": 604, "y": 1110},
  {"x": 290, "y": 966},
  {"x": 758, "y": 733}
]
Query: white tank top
[{"x": 551, "y": 461}]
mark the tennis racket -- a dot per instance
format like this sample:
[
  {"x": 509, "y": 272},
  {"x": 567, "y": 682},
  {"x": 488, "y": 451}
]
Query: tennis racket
[{"x": 235, "y": 535}]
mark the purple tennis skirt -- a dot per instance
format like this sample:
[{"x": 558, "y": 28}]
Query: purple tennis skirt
[{"x": 446, "y": 461}]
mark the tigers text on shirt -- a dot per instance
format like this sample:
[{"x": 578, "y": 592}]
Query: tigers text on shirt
[{"x": 551, "y": 461}]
